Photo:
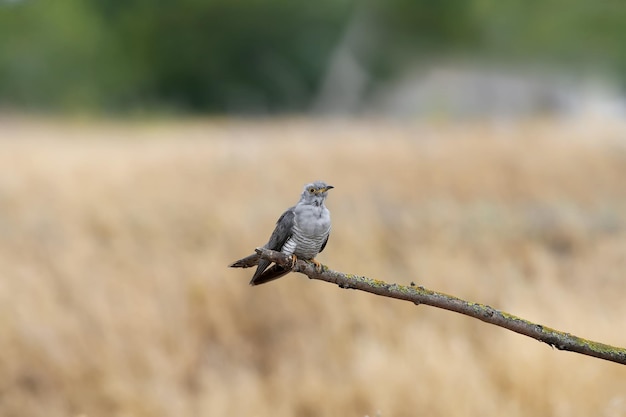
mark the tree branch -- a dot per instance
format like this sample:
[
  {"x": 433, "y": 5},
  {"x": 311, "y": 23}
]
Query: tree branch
[{"x": 420, "y": 295}]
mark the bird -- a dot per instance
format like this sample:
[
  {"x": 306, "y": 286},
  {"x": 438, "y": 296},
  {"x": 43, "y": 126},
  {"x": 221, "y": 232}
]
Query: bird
[{"x": 302, "y": 231}]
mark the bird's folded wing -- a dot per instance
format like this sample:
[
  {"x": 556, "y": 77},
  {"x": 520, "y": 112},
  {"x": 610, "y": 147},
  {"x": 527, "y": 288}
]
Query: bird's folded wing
[
  {"x": 270, "y": 274},
  {"x": 283, "y": 230}
]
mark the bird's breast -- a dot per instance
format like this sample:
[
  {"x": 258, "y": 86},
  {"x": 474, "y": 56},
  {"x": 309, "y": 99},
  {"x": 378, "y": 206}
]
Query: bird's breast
[
  {"x": 314, "y": 221},
  {"x": 311, "y": 229}
]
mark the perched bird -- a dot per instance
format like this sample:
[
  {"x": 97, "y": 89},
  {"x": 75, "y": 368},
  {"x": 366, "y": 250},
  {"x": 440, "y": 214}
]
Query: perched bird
[{"x": 301, "y": 232}]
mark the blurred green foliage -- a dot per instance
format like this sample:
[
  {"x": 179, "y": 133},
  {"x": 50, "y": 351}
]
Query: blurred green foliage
[{"x": 269, "y": 56}]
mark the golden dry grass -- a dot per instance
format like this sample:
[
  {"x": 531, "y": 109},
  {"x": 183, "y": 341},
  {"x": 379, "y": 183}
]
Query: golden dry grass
[{"x": 115, "y": 299}]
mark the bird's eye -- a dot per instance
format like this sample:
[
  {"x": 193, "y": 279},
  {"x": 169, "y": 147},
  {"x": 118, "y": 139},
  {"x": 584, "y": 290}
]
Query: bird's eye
[{"x": 311, "y": 190}]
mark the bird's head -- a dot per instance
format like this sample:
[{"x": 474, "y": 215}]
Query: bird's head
[{"x": 315, "y": 193}]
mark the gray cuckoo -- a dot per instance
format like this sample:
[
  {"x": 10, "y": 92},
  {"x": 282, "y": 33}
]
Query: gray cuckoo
[{"x": 301, "y": 232}]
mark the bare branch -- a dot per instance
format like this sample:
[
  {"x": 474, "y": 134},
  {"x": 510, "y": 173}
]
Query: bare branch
[{"x": 420, "y": 295}]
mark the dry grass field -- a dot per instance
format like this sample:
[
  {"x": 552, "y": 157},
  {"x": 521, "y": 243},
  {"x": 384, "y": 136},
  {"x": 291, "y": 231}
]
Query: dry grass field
[{"x": 116, "y": 299}]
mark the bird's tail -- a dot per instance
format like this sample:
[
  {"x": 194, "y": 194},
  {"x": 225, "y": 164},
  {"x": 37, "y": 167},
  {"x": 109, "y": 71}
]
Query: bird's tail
[
  {"x": 263, "y": 274},
  {"x": 247, "y": 262}
]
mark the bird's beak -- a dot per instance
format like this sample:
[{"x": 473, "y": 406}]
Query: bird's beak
[{"x": 328, "y": 187}]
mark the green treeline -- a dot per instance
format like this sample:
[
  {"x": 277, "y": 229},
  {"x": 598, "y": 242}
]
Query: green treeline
[{"x": 271, "y": 56}]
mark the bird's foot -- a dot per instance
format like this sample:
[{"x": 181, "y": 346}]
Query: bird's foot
[
  {"x": 294, "y": 260},
  {"x": 318, "y": 265}
]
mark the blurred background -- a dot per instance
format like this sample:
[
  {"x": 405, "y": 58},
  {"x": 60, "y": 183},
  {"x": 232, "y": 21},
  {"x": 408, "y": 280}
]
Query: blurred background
[
  {"x": 268, "y": 57},
  {"x": 476, "y": 148}
]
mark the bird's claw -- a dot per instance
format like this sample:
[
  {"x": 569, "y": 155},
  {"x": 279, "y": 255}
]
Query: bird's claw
[
  {"x": 294, "y": 260},
  {"x": 318, "y": 265}
]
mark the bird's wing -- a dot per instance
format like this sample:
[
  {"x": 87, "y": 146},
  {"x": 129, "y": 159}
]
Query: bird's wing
[
  {"x": 325, "y": 242},
  {"x": 282, "y": 232},
  {"x": 270, "y": 274}
]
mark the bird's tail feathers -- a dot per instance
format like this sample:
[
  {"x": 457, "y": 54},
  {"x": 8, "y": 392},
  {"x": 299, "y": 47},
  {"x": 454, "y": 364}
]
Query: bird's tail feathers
[{"x": 247, "y": 262}]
